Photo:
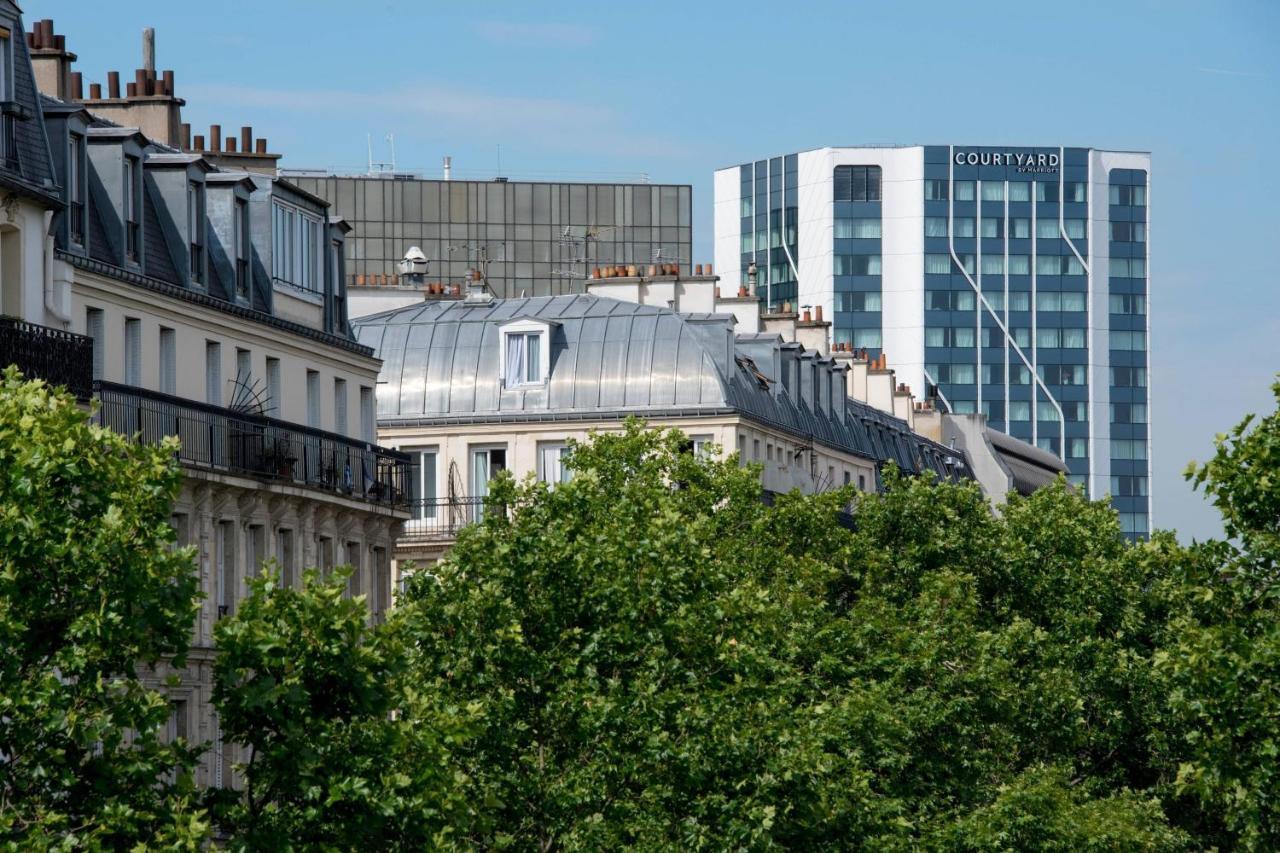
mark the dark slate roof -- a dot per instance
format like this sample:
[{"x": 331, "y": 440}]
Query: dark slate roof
[
  {"x": 159, "y": 263},
  {"x": 34, "y": 175},
  {"x": 609, "y": 358}
]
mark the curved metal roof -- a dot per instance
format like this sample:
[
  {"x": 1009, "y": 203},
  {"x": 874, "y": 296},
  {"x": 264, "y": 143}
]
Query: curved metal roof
[{"x": 609, "y": 358}]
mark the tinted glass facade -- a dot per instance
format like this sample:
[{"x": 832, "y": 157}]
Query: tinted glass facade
[
  {"x": 770, "y": 238},
  {"x": 540, "y": 238},
  {"x": 1005, "y": 281}
]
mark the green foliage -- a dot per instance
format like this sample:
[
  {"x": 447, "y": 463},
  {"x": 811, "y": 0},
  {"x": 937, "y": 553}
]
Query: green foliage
[
  {"x": 1221, "y": 656},
  {"x": 91, "y": 591},
  {"x": 664, "y": 661},
  {"x": 319, "y": 698}
]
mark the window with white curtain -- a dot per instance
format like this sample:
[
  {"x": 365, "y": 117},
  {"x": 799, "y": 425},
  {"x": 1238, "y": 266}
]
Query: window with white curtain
[
  {"x": 992, "y": 227},
  {"x": 964, "y": 190},
  {"x": 523, "y": 359},
  {"x": 1019, "y": 191},
  {"x": 856, "y": 264},
  {"x": 937, "y": 264},
  {"x": 1047, "y": 229},
  {"x": 1129, "y": 340},
  {"x": 963, "y": 226},
  {"x": 340, "y": 406},
  {"x": 1019, "y": 410},
  {"x": 1074, "y": 228},
  {"x": 992, "y": 191},
  {"x": 94, "y": 320},
  {"x": 1077, "y": 448},
  {"x": 1019, "y": 300},
  {"x": 368, "y": 422},
  {"x": 1019, "y": 265},
  {"x": 869, "y": 338},
  {"x": 313, "y": 398},
  {"x": 935, "y": 226},
  {"x": 213, "y": 373},
  {"x": 1048, "y": 338},
  {"x": 423, "y": 484},
  {"x": 1128, "y": 303},
  {"x": 552, "y": 462},
  {"x": 273, "y": 387},
  {"x": 1019, "y": 227},
  {"x": 133, "y": 351},
  {"x": 993, "y": 265},
  {"x": 168, "y": 361},
  {"x": 859, "y": 229}
]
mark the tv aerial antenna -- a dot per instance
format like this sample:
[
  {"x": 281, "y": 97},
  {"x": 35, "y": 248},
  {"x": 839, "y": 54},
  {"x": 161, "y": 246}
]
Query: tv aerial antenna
[{"x": 576, "y": 255}]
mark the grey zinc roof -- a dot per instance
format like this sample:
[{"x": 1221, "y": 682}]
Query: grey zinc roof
[{"x": 609, "y": 358}]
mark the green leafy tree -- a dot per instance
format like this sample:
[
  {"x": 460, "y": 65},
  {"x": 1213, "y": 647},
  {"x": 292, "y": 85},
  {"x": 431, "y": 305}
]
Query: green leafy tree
[
  {"x": 662, "y": 660},
  {"x": 319, "y": 698},
  {"x": 1221, "y": 655},
  {"x": 91, "y": 590}
]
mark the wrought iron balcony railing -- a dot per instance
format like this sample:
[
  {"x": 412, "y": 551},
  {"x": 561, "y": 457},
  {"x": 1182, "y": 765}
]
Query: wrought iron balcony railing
[
  {"x": 57, "y": 357},
  {"x": 265, "y": 448},
  {"x": 442, "y": 518}
]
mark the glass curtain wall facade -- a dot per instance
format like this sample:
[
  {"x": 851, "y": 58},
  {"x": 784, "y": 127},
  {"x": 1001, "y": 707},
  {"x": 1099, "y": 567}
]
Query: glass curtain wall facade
[
  {"x": 539, "y": 238},
  {"x": 1010, "y": 282},
  {"x": 770, "y": 237}
]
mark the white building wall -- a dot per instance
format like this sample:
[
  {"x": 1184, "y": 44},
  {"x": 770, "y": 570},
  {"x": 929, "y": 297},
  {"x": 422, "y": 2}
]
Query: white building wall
[{"x": 728, "y": 222}]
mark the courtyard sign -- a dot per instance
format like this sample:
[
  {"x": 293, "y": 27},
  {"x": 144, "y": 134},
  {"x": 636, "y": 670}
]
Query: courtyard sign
[{"x": 1024, "y": 162}]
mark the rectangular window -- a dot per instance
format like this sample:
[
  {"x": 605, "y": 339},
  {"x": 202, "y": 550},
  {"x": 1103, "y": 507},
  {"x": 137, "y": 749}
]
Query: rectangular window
[
  {"x": 1047, "y": 229},
  {"x": 213, "y": 373},
  {"x": 272, "y": 403},
  {"x": 1048, "y": 338},
  {"x": 313, "y": 398},
  {"x": 935, "y": 226},
  {"x": 1128, "y": 449},
  {"x": 1128, "y": 303},
  {"x": 132, "y": 208},
  {"x": 168, "y": 361},
  {"x": 244, "y": 370},
  {"x": 858, "y": 229},
  {"x": 423, "y": 484},
  {"x": 1074, "y": 191},
  {"x": 859, "y": 301},
  {"x": 963, "y": 226},
  {"x": 255, "y": 547},
  {"x": 240, "y": 239},
  {"x": 1019, "y": 265},
  {"x": 1046, "y": 191},
  {"x": 1019, "y": 191},
  {"x": 992, "y": 264},
  {"x": 93, "y": 328},
  {"x": 75, "y": 188},
  {"x": 1128, "y": 413},
  {"x": 992, "y": 227},
  {"x": 1021, "y": 336},
  {"x": 1019, "y": 410},
  {"x": 856, "y": 264},
  {"x": 284, "y": 556},
  {"x": 996, "y": 300},
  {"x": 1128, "y": 486},
  {"x": 133, "y": 352},
  {"x": 857, "y": 183},
  {"x": 869, "y": 338},
  {"x": 964, "y": 190},
  {"x": 1075, "y": 228},
  {"x": 1019, "y": 300},
  {"x": 964, "y": 336},
  {"x": 1129, "y": 341},
  {"x": 486, "y": 463},
  {"x": 196, "y": 228},
  {"x": 1129, "y": 377},
  {"x": 552, "y": 463},
  {"x": 1134, "y": 523},
  {"x": 368, "y": 422},
  {"x": 992, "y": 191},
  {"x": 225, "y": 547},
  {"x": 937, "y": 264},
  {"x": 935, "y": 190},
  {"x": 1073, "y": 302},
  {"x": 1019, "y": 228},
  {"x": 1077, "y": 448},
  {"x": 295, "y": 257},
  {"x": 524, "y": 359},
  {"x": 340, "y": 406}
]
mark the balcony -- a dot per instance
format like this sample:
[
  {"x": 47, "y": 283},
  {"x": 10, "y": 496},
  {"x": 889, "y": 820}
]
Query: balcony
[
  {"x": 434, "y": 519},
  {"x": 57, "y": 357},
  {"x": 239, "y": 443}
]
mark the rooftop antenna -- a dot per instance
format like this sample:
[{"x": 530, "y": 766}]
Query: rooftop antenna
[
  {"x": 579, "y": 250},
  {"x": 499, "y": 159},
  {"x": 381, "y": 168}
]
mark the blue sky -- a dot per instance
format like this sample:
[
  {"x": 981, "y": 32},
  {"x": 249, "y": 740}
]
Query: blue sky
[{"x": 674, "y": 90}]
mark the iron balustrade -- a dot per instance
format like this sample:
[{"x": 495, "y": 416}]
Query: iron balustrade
[
  {"x": 442, "y": 518},
  {"x": 265, "y": 448},
  {"x": 57, "y": 357}
]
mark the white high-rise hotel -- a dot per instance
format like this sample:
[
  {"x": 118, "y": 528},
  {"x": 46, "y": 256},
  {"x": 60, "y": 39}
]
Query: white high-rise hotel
[{"x": 1013, "y": 281}]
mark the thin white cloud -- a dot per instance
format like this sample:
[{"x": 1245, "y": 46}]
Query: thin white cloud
[
  {"x": 548, "y": 34},
  {"x": 1227, "y": 72},
  {"x": 450, "y": 111}
]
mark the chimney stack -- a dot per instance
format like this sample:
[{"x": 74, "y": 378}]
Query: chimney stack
[
  {"x": 215, "y": 137},
  {"x": 113, "y": 85},
  {"x": 185, "y": 137},
  {"x": 149, "y": 50},
  {"x": 246, "y": 139}
]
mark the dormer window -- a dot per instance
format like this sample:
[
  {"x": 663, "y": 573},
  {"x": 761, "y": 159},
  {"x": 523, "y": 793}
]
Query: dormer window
[
  {"x": 132, "y": 209},
  {"x": 75, "y": 187},
  {"x": 195, "y": 222},
  {"x": 524, "y": 358},
  {"x": 240, "y": 237}
]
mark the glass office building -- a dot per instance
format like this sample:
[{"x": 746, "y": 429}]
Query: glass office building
[
  {"x": 539, "y": 239},
  {"x": 1007, "y": 281}
]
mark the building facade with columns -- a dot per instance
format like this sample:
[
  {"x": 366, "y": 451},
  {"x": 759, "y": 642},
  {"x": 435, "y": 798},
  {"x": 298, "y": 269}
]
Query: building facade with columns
[
  {"x": 1009, "y": 281},
  {"x": 179, "y": 297}
]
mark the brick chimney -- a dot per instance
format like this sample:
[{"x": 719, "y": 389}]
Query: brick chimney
[
  {"x": 51, "y": 61},
  {"x": 148, "y": 102}
]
